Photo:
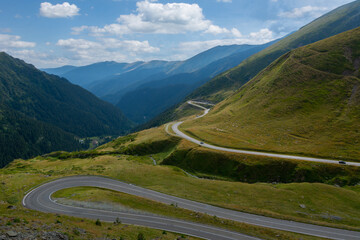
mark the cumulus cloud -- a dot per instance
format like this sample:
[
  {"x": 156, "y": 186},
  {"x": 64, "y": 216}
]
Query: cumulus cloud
[
  {"x": 105, "y": 49},
  {"x": 260, "y": 37},
  {"x": 305, "y": 11},
  {"x": 158, "y": 18},
  {"x": 13, "y": 41},
  {"x": 64, "y": 10}
]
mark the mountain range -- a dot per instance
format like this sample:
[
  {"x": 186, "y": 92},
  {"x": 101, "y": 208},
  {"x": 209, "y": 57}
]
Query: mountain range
[
  {"x": 64, "y": 112},
  {"x": 143, "y": 90},
  {"x": 305, "y": 102},
  {"x": 227, "y": 83},
  {"x": 40, "y": 110}
]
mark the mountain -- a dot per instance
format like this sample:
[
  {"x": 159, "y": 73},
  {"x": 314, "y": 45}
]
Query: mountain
[
  {"x": 113, "y": 87},
  {"x": 60, "y": 70},
  {"x": 306, "y": 102},
  {"x": 86, "y": 75},
  {"x": 24, "y": 137},
  {"x": 204, "y": 58},
  {"x": 339, "y": 20},
  {"x": 55, "y": 100},
  {"x": 49, "y": 101},
  {"x": 154, "y": 97},
  {"x": 224, "y": 85},
  {"x": 143, "y": 90}
]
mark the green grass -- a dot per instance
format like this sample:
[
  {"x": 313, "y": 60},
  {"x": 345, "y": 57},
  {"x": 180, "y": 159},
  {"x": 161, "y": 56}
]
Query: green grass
[
  {"x": 97, "y": 195},
  {"x": 251, "y": 169},
  {"x": 71, "y": 225},
  {"x": 305, "y": 103},
  {"x": 280, "y": 200},
  {"x": 275, "y": 200}
]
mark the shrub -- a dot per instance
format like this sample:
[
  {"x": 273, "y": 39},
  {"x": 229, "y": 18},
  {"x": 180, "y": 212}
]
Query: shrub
[{"x": 98, "y": 223}]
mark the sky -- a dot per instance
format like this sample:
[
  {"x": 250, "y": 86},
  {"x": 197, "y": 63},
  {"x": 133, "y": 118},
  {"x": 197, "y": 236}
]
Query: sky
[{"x": 53, "y": 33}]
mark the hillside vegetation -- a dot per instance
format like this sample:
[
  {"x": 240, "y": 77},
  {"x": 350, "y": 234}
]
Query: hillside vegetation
[
  {"x": 306, "y": 102},
  {"x": 43, "y": 113},
  {"x": 339, "y": 20},
  {"x": 21, "y": 136},
  {"x": 129, "y": 159}
]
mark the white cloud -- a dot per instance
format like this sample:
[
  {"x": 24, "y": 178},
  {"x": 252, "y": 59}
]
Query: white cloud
[
  {"x": 312, "y": 11},
  {"x": 225, "y": 1},
  {"x": 236, "y": 32},
  {"x": 216, "y": 30},
  {"x": 106, "y": 49},
  {"x": 264, "y": 35},
  {"x": 153, "y": 17},
  {"x": 13, "y": 41},
  {"x": 260, "y": 37},
  {"x": 38, "y": 58},
  {"x": 64, "y": 10}
]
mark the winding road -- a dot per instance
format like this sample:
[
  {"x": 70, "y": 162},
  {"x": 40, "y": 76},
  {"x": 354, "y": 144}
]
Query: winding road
[
  {"x": 175, "y": 128},
  {"x": 40, "y": 199}
]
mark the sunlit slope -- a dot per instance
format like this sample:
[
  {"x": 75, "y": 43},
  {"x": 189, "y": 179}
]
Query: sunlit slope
[
  {"x": 306, "y": 102},
  {"x": 337, "y": 21}
]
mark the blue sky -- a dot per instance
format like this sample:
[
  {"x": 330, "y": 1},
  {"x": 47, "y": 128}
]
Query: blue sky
[{"x": 79, "y": 32}]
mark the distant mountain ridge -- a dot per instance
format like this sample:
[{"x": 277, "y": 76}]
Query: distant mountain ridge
[
  {"x": 144, "y": 89},
  {"x": 151, "y": 98},
  {"x": 60, "y": 70},
  {"x": 339, "y": 20},
  {"x": 227, "y": 83},
  {"x": 46, "y": 101}
]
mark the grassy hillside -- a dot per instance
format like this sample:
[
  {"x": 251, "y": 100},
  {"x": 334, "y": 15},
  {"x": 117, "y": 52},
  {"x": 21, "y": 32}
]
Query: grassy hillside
[
  {"x": 306, "y": 102},
  {"x": 339, "y": 20},
  {"x": 128, "y": 159}
]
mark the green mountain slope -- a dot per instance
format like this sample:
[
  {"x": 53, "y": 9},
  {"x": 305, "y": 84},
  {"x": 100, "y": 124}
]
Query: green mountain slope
[
  {"x": 339, "y": 20},
  {"x": 41, "y": 113},
  {"x": 56, "y": 101},
  {"x": 306, "y": 102},
  {"x": 21, "y": 136}
]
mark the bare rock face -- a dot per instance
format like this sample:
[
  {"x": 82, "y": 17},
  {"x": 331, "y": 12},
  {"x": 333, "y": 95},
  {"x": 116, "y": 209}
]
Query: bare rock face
[{"x": 11, "y": 234}]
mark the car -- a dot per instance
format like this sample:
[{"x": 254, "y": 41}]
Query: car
[
  {"x": 201, "y": 142},
  {"x": 342, "y": 162}
]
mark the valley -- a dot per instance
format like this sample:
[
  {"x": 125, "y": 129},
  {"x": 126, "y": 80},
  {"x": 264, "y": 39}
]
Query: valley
[{"x": 168, "y": 122}]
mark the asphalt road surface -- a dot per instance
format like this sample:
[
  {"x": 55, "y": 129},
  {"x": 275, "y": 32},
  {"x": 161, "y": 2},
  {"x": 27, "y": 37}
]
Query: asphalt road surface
[
  {"x": 40, "y": 199},
  {"x": 175, "y": 128}
]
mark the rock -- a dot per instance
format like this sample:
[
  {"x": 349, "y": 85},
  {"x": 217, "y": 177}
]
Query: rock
[
  {"x": 337, "y": 218},
  {"x": 80, "y": 230},
  {"x": 302, "y": 206},
  {"x": 11, "y": 207},
  {"x": 2, "y": 237},
  {"x": 11, "y": 233}
]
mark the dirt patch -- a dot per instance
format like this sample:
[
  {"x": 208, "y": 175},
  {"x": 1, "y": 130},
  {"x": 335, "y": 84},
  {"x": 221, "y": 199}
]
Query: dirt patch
[
  {"x": 357, "y": 66},
  {"x": 348, "y": 54},
  {"x": 355, "y": 95}
]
